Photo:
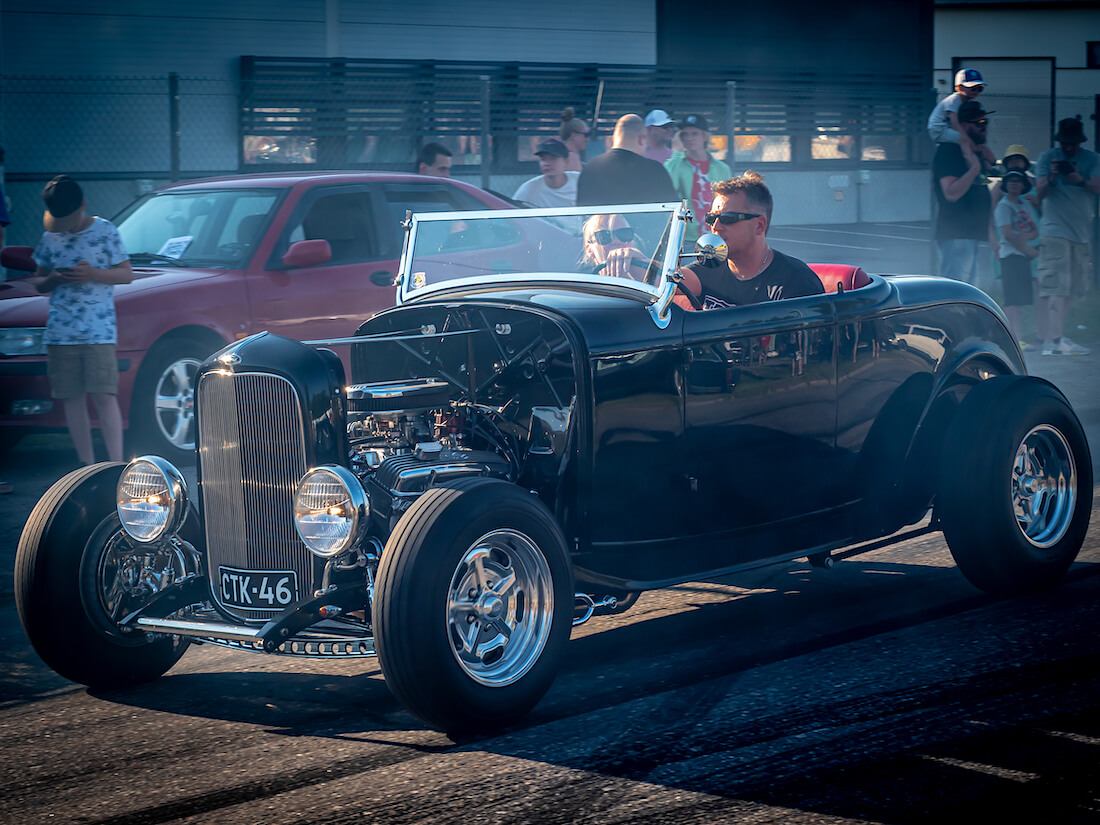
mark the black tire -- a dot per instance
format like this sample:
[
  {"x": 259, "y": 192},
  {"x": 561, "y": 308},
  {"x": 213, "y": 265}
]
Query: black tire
[
  {"x": 425, "y": 595},
  {"x": 67, "y": 546},
  {"x": 162, "y": 408},
  {"x": 1008, "y": 530}
]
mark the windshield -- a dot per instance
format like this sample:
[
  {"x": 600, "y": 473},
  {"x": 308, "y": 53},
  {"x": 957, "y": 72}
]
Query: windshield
[
  {"x": 607, "y": 246},
  {"x": 197, "y": 228}
]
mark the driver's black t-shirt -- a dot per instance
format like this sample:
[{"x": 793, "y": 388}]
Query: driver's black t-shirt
[{"x": 785, "y": 277}]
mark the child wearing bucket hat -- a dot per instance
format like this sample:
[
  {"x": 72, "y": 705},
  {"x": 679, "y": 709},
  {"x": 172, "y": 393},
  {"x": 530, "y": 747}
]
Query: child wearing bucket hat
[{"x": 1017, "y": 225}]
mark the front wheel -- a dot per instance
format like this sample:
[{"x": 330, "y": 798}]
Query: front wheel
[
  {"x": 1015, "y": 493},
  {"x": 473, "y": 605},
  {"x": 77, "y": 574}
]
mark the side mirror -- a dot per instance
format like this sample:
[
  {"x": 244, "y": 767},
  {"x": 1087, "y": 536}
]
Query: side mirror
[
  {"x": 710, "y": 247},
  {"x": 307, "y": 253},
  {"x": 19, "y": 258}
]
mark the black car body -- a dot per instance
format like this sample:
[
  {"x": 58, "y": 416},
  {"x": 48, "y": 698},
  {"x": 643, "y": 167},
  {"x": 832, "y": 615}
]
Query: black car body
[{"x": 526, "y": 441}]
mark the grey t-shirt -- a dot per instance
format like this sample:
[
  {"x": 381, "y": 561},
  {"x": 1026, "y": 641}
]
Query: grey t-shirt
[{"x": 1067, "y": 209}]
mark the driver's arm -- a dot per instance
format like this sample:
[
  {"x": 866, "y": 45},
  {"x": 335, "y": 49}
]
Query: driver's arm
[{"x": 689, "y": 280}]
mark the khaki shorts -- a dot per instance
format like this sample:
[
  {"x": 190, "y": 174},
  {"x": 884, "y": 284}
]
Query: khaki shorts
[
  {"x": 1063, "y": 268},
  {"x": 75, "y": 369}
]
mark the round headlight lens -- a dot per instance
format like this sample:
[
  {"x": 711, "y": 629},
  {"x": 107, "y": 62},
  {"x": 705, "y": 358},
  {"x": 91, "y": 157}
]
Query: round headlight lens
[
  {"x": 330, "y": 510},
  {"x": 151, "y": 499}
]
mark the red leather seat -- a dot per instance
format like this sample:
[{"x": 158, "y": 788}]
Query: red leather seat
[{"x": 833, "y": 276}]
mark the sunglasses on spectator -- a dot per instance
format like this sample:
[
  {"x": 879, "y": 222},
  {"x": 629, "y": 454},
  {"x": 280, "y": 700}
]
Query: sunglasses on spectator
[
  {"x": 726, "y": 218},
  {"x": 603, "y": 236},
  {"x": 983, "y": 122}
]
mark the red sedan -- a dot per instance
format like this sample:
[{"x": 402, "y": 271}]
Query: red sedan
[{"x": 304, "y": 255}]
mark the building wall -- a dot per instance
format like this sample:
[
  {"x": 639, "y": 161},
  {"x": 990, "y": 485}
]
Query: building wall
[
  {"x": 1001, "y": 31},
  {"x": 206, "y": 37}
]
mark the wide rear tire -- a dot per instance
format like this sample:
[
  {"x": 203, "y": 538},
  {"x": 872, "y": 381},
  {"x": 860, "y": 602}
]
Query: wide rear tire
[
  {"x": 70, "y": 568},
  {"x": 473, "y": 605},
  {"x": 1015, "y": 491}
]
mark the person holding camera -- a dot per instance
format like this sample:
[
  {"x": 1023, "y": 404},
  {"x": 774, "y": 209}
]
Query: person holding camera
[{"x": 1067, "y": 181}]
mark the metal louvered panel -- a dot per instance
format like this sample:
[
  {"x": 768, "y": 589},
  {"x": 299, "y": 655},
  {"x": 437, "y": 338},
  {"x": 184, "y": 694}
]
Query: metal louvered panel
[{"x": 252, "y": 454}]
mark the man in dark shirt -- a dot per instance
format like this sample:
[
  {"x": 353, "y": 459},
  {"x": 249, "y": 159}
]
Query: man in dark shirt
[
  {"x": 624, "y": 174},
  {"x": 753, "y": 272},
  {"x": 962, "y": 219}
]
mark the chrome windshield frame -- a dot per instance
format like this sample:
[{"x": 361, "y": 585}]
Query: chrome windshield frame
[{"x": 658, "y": 296}]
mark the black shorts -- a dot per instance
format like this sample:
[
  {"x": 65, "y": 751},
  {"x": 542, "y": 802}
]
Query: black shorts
[{"x": 1016, "y": 280}]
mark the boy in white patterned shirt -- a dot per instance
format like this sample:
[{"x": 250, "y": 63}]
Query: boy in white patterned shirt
[{"x": 80, "y": 259}]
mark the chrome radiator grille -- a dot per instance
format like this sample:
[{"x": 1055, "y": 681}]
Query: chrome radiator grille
[{"x": 252, "y": 454}]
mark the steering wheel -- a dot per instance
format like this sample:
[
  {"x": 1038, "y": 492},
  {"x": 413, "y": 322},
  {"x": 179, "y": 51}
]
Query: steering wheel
[
  {"x": 642, "y": 262},
  {"x": 691, "y": 296}
]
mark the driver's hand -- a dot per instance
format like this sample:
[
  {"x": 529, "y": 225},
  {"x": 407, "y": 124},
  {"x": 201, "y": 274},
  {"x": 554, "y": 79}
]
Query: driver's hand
[{"x": 619, "y": 261}]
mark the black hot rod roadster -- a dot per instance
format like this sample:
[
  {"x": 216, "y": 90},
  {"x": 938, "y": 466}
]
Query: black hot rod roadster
[{"x": 525, "y": 441}]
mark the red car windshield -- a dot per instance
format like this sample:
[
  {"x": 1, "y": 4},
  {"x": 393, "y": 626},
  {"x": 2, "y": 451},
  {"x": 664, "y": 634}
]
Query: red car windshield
[{"x": 197, "y": 228}]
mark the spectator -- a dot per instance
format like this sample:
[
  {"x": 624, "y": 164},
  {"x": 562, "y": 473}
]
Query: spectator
[
  {"x": 1017, "y": 225},
  {"x": 943, "y": 123},
  {"x": 1068, "y": 179},
  {"x": 434, "y": 159},
  {"x": 624, "y": 175},
  {"x": 80, "y": 259},
  {"x": 5, "y": 486},
  {"x": 555, "y": 186},
  {"x": 695, "y": 170},
  {"x": 5, "y": 219},
  {"x": 659, "y": 129},
  {"x": 573, "y": 132},
  {"x": 1015, "y": 160},
  {"x": 754, "y": 272},
  {"x": 962, "y": 219}
]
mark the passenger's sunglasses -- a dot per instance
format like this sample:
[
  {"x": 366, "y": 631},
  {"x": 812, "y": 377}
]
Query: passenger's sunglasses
[
  {"x": 603, "y": 236},
  {"x": 726, "y": 218}
]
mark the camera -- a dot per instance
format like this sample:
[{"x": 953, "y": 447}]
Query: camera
[{"x": 1064, "y": 167}]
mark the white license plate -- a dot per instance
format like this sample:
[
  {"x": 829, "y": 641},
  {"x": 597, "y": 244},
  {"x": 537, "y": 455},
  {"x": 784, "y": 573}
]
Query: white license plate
[{"x": 257, "y": 589}]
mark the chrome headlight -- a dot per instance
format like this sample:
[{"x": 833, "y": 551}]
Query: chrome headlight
[
  {"x": 151, "y": 498},
  {"x": 22, "y": 341},
  {"x": 330, "y": 510}
]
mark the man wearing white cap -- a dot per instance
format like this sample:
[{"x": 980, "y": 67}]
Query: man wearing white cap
[{"x": 659, "y": 129}]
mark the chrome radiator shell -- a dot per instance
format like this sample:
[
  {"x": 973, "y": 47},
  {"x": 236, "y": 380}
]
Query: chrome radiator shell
[{"x": 252, "y": 453}]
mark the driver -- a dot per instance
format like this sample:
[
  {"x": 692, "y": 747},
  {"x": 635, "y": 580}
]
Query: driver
[
  {"x": 754, "y": 272},
  {"x": 611, "y": 248}
]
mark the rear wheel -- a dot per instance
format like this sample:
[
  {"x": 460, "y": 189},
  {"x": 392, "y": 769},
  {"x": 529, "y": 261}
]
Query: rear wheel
[
  {"x": 473, "y": 605},
  {"x": 77, "y": 574},
  {"x": 1015, "y": 492}
]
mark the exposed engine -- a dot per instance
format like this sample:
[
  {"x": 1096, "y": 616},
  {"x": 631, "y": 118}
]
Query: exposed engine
[{"x": 407, "y": 436}]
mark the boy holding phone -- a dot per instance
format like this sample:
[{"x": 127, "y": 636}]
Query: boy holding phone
[{"x": 80, "y": 259}]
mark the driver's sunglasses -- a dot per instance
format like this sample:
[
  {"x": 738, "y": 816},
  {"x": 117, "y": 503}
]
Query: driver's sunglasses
[
  {"x": 983, "y": 122},
  {"x": 623, "y": 233},
  {"x": 726, "y": 218}
]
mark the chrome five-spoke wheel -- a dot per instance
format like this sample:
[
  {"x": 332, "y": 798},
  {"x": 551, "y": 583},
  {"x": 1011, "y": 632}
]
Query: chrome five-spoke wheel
[
  {"x": 1044, "y": 486},
  {"x": 500, "y": 608}
]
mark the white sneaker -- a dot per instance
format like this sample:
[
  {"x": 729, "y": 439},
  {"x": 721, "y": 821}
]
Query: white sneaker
[
  {"x": 1067, "y": 347},
  {"x": 1049, "y": 348}
]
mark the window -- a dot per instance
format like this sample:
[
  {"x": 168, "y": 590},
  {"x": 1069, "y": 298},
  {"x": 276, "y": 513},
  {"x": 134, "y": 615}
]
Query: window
[{"x": 341, "y": 218}]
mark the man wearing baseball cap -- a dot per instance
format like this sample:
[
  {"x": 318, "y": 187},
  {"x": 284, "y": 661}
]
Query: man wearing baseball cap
[
  {"x": 694, "y": 170},
  {"x": 1067, "y": 182},
  {"x": 555, "y": 186},
  {"x": 962, "y": 219},
  {"x": 659, "y": 129}
]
